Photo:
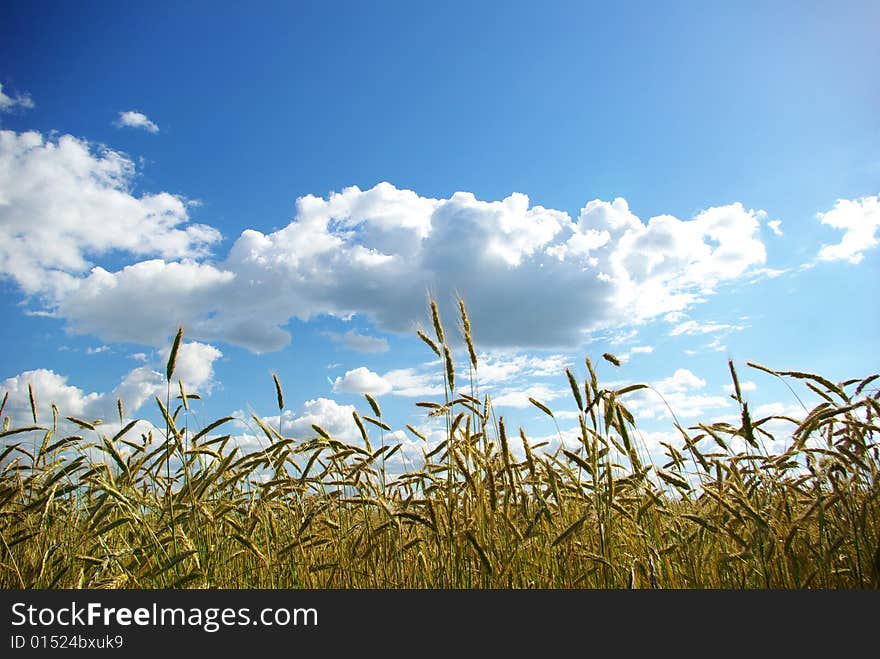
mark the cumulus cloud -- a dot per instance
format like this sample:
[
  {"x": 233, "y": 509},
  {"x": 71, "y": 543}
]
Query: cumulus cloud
[
  {"x": 63, "y": 202},
  {"x": 362, "y": 381},
  {"x": 519, "y": 398},
  {"x": 136, "y": 388},
  {"x": 496, "y": 367},
  {"x": 675, "y": 258},
  {"x": 11, "y": 103},
  {"x": 624, "y": 357},
  {"x": 681, "y": 380},
  {"x": 338, "y": 422},
  {"x": 492, "y": 252},
  {"x": 168, "y": 295},
  {"x": 336, "y": 419},
  {"x": 134, "y": 119},
  {"x": 362, "y": 343},
  {"x": 412, "y": 383},
  {"x": 194, "y": 365},
  {"x": 48, "y": 387},
  {"x": 359, "y": 342},
  {"x": 370, "y": 252},
  {"x": 683, "y": 391},
  {"x": 71, "y": 401},
  {"x": 775, "y": 227},
  {"x": 747, "y": 385},
  {"x": 859, "y": 219},
  {"x": 513, "y": 370}
]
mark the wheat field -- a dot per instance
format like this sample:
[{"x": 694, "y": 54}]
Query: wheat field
[{"x": 486, "y": 508}]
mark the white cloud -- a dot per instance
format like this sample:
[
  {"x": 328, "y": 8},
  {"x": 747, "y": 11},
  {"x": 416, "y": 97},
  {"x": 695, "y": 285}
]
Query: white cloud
[
  {"x": 697, "y": 328},
  {"x": 134, "y": 119},
  {"x": 408, "y": 457},
  {"x": 194, "y": 365},
  {"x": 777, "y": 409},
  {"x": 569, "y": 438},
  {"x": 373, "y": 252},
  {"x": 692, "y": 327},
  {"x": 360, "y": 342},
  {"x": 684, "y": 393},
  {"x": 326, "y": 413},
  {"x": 746, "y": 385},
  {"x": 51, "y": 388},
  {"x": 624, "y": 357},
  {"x": 62, "y": 203},
  {"x": 515, "y": 370},
  {"x": 336, "y": 419},
  {"x": 97, "y": 350},
  {"x": 362, "y": 381},
  {"x": 681, "y": 380},
  {"x": 502, "y": 366},
  {"x": 136, "y": 388},
  {"x": 766, "y": 273},
  {"x": 716, "y": 345},
  {"x": 519, "y": 398},
  {"x": 169, "y": 295},
  {"x": 48, "y": 387},
  {"x": 622, "y": 336},
  {"x": 12, "y": 103},
  {"x": 775, "y": 226},
  {"x": 411, "y": 383},
  {"x": 652, "y": 439},
  {"x": 859, "y": 219},
  {"x": 664, "y": 265}
]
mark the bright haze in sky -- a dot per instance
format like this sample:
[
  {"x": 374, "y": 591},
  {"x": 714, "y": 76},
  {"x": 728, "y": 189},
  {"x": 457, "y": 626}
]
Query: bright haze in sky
[{"x": 677, "y": 184}]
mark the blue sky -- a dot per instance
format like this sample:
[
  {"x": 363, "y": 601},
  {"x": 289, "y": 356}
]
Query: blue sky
[{"x": 677, "y": 184}]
